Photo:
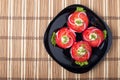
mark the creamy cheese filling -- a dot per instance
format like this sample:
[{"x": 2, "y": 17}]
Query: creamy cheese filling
[
  {"x": 65, "y": 39},
  {"x": 93, "y": 36},
  {"x": 78, "y": 22},
  {"x": 81, "y": 51}
]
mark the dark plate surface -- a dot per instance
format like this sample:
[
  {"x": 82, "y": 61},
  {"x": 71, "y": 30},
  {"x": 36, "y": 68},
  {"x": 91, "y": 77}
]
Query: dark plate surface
[{"x": 62, "y": 56}]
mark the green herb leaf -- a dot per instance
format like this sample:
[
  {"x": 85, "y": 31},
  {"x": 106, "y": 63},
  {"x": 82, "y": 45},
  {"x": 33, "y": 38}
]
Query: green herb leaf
[
  {"x": 105, "y": 34},
  {"x": 53, "y": 39},
  {"x": 86, "y": 63},
  {"x": 81, "y": 63},
  {"x": 80, "y": 9}
]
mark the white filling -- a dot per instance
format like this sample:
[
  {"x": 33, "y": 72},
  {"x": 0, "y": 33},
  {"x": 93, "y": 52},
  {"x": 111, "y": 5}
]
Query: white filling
[
  {"x": 65, "y": 39},
  {"x": 78, "y": 22},
  {"x": 81, "y": 51},
  {"x": 93, "y": 36}
]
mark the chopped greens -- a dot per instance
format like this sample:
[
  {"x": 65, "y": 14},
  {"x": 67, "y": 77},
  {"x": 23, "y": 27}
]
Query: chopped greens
[
  {"x": 105, "y": 34},
  {"x": 53, "y": 39},
  {"x": 81, "y": 51},
  {"x": 81, "y": 63},
  {"x": 80, "y": 9}
]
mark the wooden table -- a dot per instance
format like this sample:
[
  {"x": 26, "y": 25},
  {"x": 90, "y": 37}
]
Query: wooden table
[{"x": 22, "y": 27}]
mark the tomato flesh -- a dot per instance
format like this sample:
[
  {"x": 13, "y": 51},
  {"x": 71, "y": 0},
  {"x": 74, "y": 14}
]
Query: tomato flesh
[
  {"x": 98, "y": 40},
  {"x": 65, "y": 38},
  {"x": 75, "y": 54},
  {"x": 79, "y": 18}
]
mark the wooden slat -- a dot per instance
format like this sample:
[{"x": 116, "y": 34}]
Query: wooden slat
[
  {"x": 118, "y": 61},
  {"x": 17, "y": 28},
  {"x": 30, "y": 31},
  {"x": 17, "y": 9},
  {"x": 16, "y": 49},
  {"x": 30, "y": 8},
  {"x": 44, "y": 8},
  {"x": 3, "y": 28},
  {"x": 3, "y": 68},
  {"x": 84, "y": 75},
  {"x": 30, "y": 28},
  {"x": 70, "y": 2},
  {"x": 113, "y": 69},
  {"x": 70, "y": 75},
  {"x": 16, "y": 44},
  {"x": 42, "y": 27},
  {"x": 16, "y": 69},
  {"x": 29, "y": 69},
  {"x": 101, "y": 69},
  {"x": 3, "y": 7},
  {"x": 113, "y": 24},
  {"x": 57, "y": 7},
  {"x": 43, "y": 53},
  {"x": 56, "y": 70},
  {"x": 96, "y": 71},
  {"x": 98, "y": 7},
  {"x": 84, "y": 2},
  {"x": 113, "y": 53},
  {"x": 3, "y": 48},
  {"x": 112, "y": 8},
  {"x": 43, "y": 69},
  {"x": 29, "y": 49}
]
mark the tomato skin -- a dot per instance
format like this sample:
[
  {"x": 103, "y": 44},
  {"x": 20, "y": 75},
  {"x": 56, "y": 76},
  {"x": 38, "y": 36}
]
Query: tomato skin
[
  {"x": 71, "y": 23},
  {"x": 98, "y": 41},
  {"x": 65, "y": 31},
  {"x": 74, "y": 49}
]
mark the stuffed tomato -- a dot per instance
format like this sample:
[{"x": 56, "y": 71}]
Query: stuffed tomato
[
  {"x": 81, "y": 51},
  {"x": 78, "y": 21},
  {"x": 93, "y": 36},
  {"x": 65, "y": 38}
]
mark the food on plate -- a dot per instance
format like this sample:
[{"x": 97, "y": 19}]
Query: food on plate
[
  {"x": 81, "y": 63},
  {"x": 78, "y": 21},
  {"x": 81, "y": 52},
  {"x": 94, "y": 36},
  {"x": 65, "y": 38},
  {"x": 53, "y": 39}
]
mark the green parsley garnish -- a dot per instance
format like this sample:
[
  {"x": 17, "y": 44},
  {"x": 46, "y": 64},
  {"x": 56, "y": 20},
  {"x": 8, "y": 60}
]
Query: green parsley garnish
[
  {"x": 53, "y": 39},
  {"x": 81, "y": 63},
  {"x": 105, "y": 34},
  {"x": 80, "y": 9}
]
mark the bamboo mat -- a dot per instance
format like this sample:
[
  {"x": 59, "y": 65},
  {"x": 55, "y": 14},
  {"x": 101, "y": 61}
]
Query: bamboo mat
[{"x": 22, "y": 27}]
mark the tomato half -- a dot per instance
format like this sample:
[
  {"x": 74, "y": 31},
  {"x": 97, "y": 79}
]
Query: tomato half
[
  {"x": 78, "y": 21},
  {"x": 93, "y": 36},
  {"x": 65, "y": 38},
  {"x": 81, "y": 51}
]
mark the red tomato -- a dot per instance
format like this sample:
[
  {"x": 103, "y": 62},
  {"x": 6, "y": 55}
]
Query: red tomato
[
  {"x": 81, "y": 51},
  {"x": 65, "y": 38},
  {"x": 78, "y": 21},
  {"x": 93, "y": 36}
]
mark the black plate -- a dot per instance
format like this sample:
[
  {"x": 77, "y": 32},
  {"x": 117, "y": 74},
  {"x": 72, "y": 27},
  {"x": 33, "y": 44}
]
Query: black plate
[{"x": 62, "y": 56}]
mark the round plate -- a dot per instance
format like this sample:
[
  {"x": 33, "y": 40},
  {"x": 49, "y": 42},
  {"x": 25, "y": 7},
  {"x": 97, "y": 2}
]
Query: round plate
[{"x": 62, "y": 56}]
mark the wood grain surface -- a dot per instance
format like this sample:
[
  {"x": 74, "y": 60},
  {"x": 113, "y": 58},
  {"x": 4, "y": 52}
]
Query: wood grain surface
[{"x": 22, "y": 52}]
